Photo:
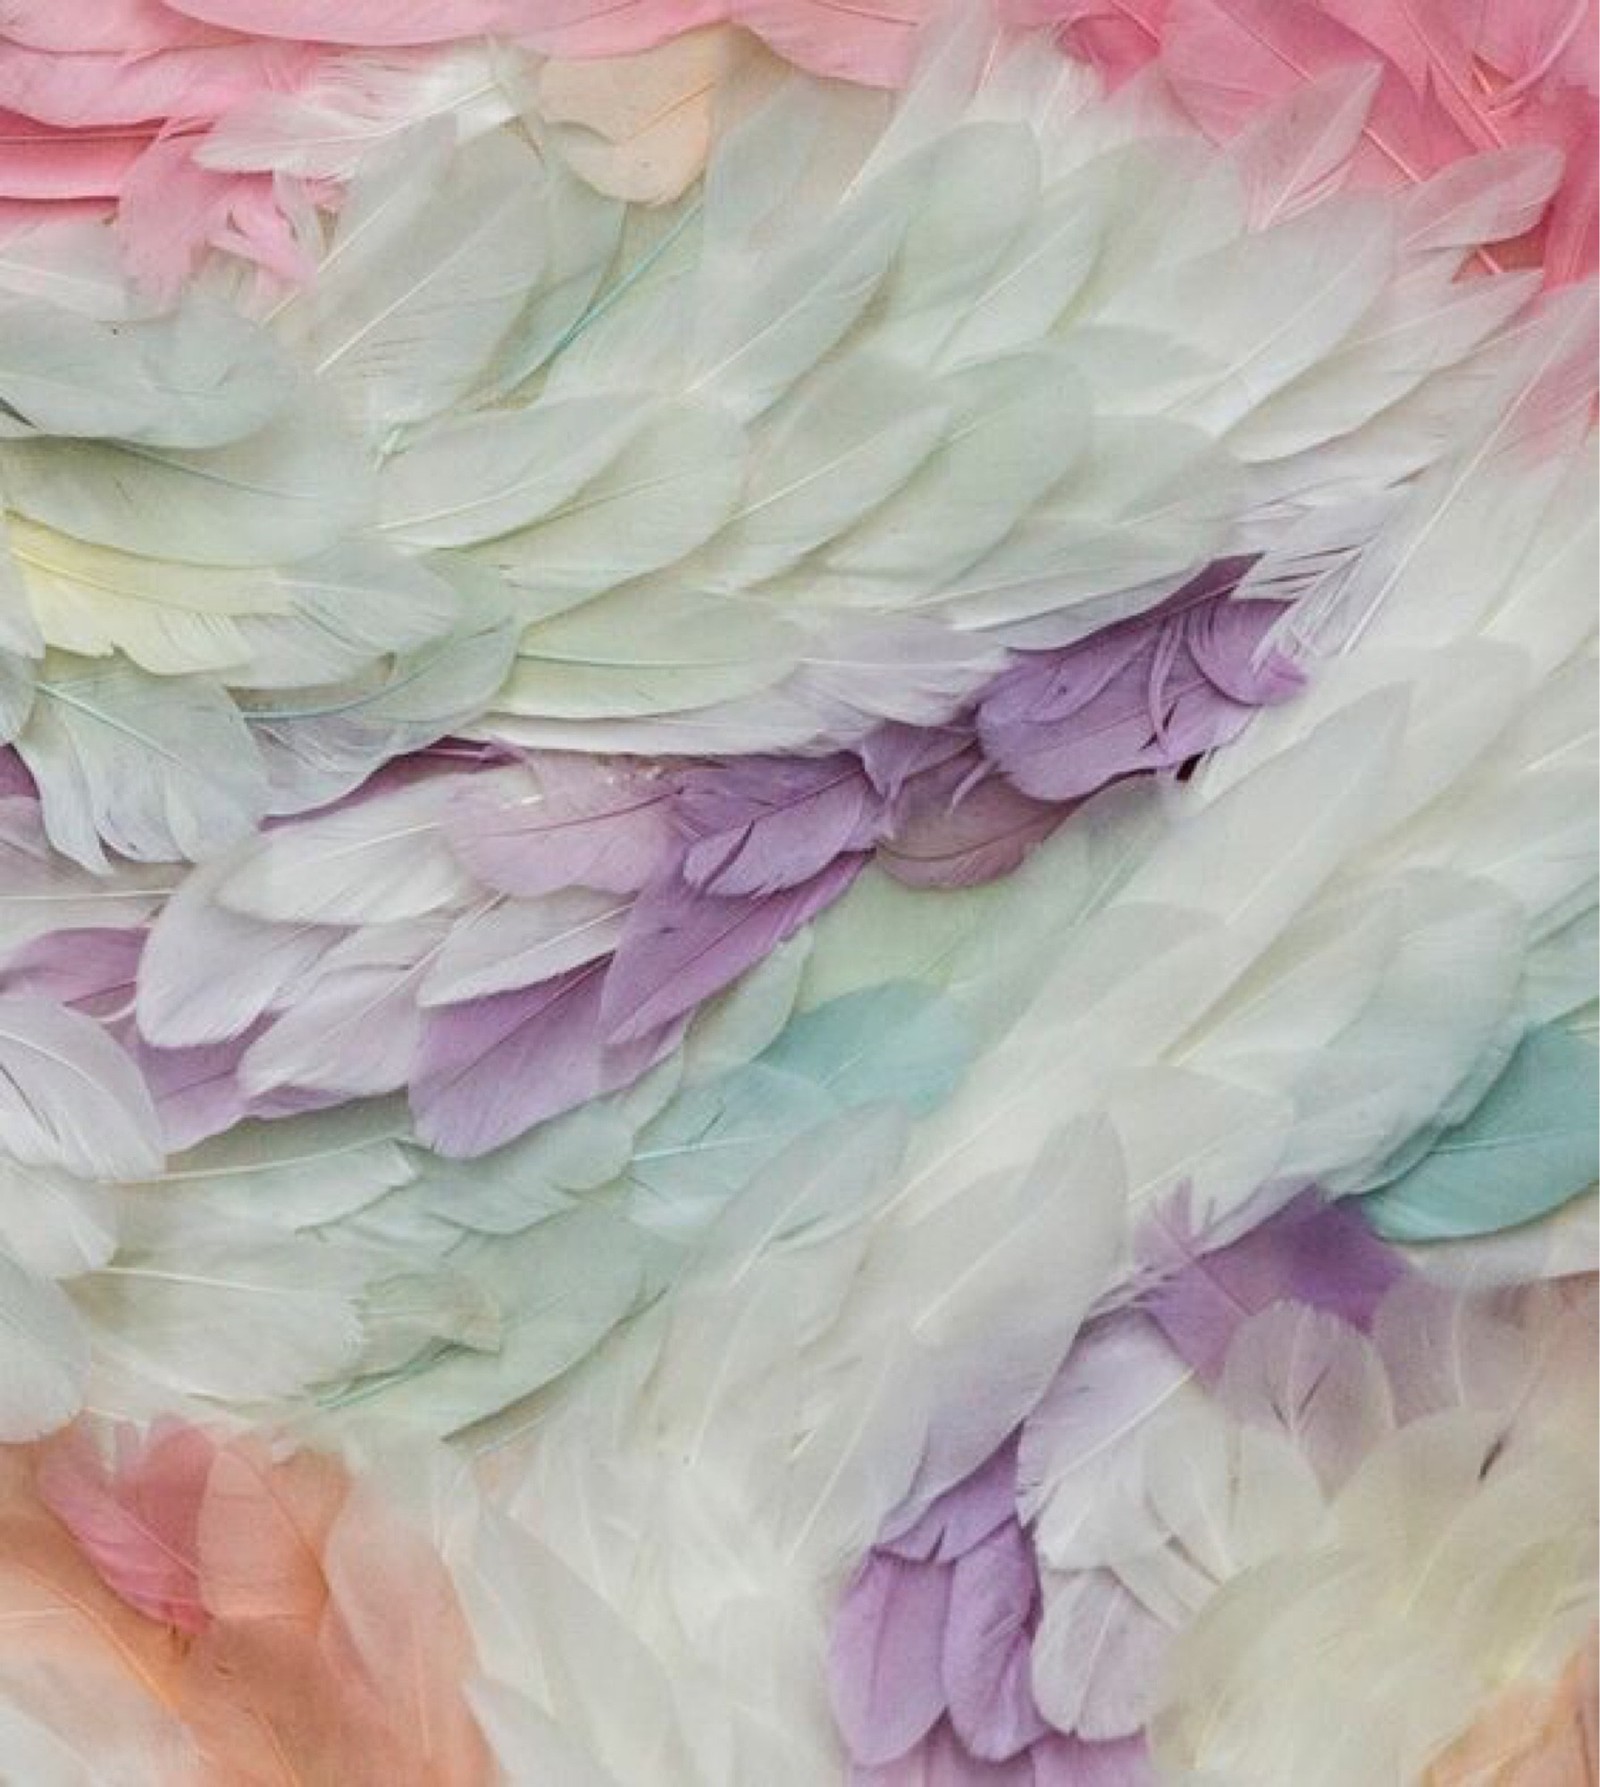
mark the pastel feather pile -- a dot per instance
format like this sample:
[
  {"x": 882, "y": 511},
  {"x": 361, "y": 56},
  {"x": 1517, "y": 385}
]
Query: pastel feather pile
[{"x": 797, "y": 893}]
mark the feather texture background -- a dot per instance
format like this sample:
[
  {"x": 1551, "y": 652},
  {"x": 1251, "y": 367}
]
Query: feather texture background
[{"x": 797, "y": 893}]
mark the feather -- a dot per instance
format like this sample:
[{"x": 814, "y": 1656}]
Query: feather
[
  {"x": 130, "y": 25},
  {"x": 1225, "y": 56},
  {"x": 322, "y": 744},
  {"x": 675, "y": 480},
  {"x": 1527, "y": 1148},
  {"x": 47, "y": 1356},
  {"x": 191, "y": 1308},
  {"x": 254, "y": 626},
  {"x": 41, "y": 890},
  {"x": 1316, "y": 1378},
  {"x": 1300, "y": 149},
  {"x": 835, "y": 453},
  {"x": 199, "y": 377},
  {"x": 52, "y": 1224},
  {"x": 207, "y": 974},
  {"x": 767, "y": 823},
  {"x": 373, "y": 861},
  {"x": 136, "y": 1516},
  {"x": 1118, "y": 1375},
  {"x": 751, "y": 350},
  {"x": 961, "y": 1518},
  {"x": 90, "y": 87},
  {"x": 155, "y": 769},
  {"x": 678, "y": 948},
  {"x": 1066, "y": 1762},
  {"x": 364, "y": 988},
  {"x": 347, "y": 107},
  {"x": 993, "y": 1592},
  {"x": 287, "y": 491},
  {"x": 1489, "y": 198},
  {"x": 678, "y": 651},
  {"x": 513, "y": 943},
  {"x": 489, "y": 1069},
  {"x": 286, "y": 1653},
  {"x": 639, "y": 126},
  {"x": 57, "y": 172},
  {"x": 1323, "y": 269},
  {"x": 508, "y": 1577},
  {"x": 1310, "y": 1253},
  {"x": 586, "y": 824},
  {"x": 1058, "y": 1220},
  {"x": 404, "y": 323},
  {"x": 416, "y": 1636},
  {"x": 1143, "y": 694},
  {"x": 561, "y": 1286},
  {"x": 437, "y": 491},
  {"x": 1096, "y": 1657},
  {"x": 1529, "y": 1735},
  {"x": 170, "y": 211},
  {"x": 368, "y": 22},
  {"x": 955, "y": 826},
  {"x": 874, "y": 45},
  {"x": 1018, "y": 427},
  {"x": 888, "y": 1690},
  {"x": 71, "y": 1097}
]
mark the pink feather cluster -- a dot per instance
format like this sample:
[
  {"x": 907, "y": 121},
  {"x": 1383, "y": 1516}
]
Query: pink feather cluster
[
  {"x": 257, "y": 1600},
  {"x": 110, "y": 108},
  {"x": 115, "y": 107},
  {"x": 1454, "y": 79},
  {"x": 105, "y": 108}
]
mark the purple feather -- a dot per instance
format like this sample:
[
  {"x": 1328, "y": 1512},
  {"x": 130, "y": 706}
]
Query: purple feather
[
  {"x": 759, "y": 824},
  {"x": 893, "y": 754},
  {"x": 1069, "y": 1762},
  {"x": 885, "y": 1666},
  {"x": 491, "y": 1068},
  {"x": 964, "y": 1516},
  {"x": 994, "y": 1601},
  {"x": 957, "y": 824},
  {"x": 1145, "y": 694},
  {"x": 1309, "y": 1252},
  {"x": 94, "y": 969},
  {"x": 607, "y": 826},
  {"x": 196, "y": 1091},
  {"x": 16, "y": 782},
  {"x": 679, "y": 947},
  {"x": 941, "y": 1760}
]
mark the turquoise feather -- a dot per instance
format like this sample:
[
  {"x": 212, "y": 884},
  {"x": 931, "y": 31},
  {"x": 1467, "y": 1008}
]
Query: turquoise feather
[{"x": 1530, "y": 1146}]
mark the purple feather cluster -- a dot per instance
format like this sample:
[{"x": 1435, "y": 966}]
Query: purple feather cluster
[
  {"x": 932, "y": 1658},
  {"x": 679, "y": 877}
]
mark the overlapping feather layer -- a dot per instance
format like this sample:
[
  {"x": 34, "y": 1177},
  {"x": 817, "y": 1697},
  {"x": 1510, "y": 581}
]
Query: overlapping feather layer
[{"x": 692, "y": 891}]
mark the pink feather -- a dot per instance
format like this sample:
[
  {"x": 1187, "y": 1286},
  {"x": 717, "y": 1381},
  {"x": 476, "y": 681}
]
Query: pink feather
[
  {"x": 1452, "y": 81},
  {"x": 129, "y": 27},
  {"x": 368, "y": 23},
  {"x": 585, "y": 28},
  {"x": 871, "y": 42},
  {"x": 172, "y": 210},
  {"x": 178, "y": 86},
  {"x": 137, "y": 1517},
  {"x": 41, "y": 163}
]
